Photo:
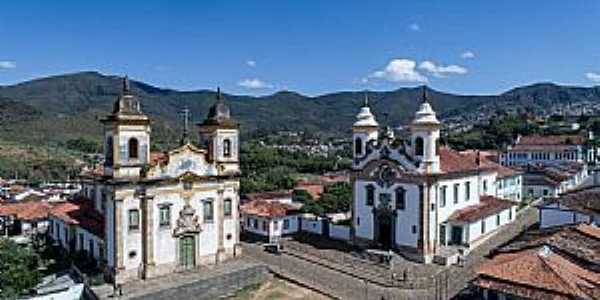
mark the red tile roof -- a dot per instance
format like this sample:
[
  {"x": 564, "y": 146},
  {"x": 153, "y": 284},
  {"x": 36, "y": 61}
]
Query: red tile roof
[
  {"x": 80, "y": 212},
  {"x": 26, "y": 210},
  {"x": 538, "y": 273},
  {"x": 590, "y": 230},
  {"x": 488, "y": 161},
  {"x": 585, "y": 200},
  {"x": 452, "y": 161},
  {"x": 264, "y": 208},
  {"x": 487, "y": 206},
  {"x": 269, "y": 195},
  {"x": 159, "y": 157},
  {"x": 565, "y": 139},
  {"x": 315, "y": 189},
  {"x": 579, "y": 242}
]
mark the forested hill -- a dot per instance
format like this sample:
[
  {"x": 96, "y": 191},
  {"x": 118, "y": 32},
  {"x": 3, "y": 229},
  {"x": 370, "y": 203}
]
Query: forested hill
[{"x": 59, "y": 108}]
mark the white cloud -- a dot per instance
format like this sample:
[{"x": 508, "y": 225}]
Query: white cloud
[
  {"x": 467, "y": 54},
  {"x": 400, "y": 70},
  {"x": 251, "y": 63},
  {"x": 414, "y": 27},
  {"x": 440, "y": 70},
  {"x": 7, "y": 65},
  {"x": 595, "y": 77},
  {"x": 254, "y": 83}
]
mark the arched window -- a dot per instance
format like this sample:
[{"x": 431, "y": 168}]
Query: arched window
[
  {"x": 358, "y": 146},
  {"x": 227, "y": 148},
  {"x": 400, "y": 198},
  {"x": 370, "y": 195},
  {"x": 419, "y": 146},
  {"x": 133, "y": 147},
  {"x": 109, "y": 151}
]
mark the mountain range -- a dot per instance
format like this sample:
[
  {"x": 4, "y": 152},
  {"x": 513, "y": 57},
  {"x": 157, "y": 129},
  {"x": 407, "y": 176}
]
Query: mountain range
[{"x": 58, "y": 108}]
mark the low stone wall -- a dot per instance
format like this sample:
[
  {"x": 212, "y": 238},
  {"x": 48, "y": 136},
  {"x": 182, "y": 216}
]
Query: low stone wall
[{"x": 213, "y": 287}]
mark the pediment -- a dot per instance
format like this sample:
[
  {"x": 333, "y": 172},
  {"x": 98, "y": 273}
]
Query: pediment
[
  {"x": 185, "y": 160},
  {"x": 386, "y": 172}
]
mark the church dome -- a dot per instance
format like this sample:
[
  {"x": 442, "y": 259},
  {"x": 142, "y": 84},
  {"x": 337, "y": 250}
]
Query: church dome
[
  {"x": 365, "y": 118},
  {"x": 219, "y": 113},
  {"x": 425, "y": 115}
]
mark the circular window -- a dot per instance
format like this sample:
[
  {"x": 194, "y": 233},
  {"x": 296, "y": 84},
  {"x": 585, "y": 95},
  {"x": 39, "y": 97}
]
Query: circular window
[
  {"x": 228, "y": 236},
  {"x": 132, "y": 254}
]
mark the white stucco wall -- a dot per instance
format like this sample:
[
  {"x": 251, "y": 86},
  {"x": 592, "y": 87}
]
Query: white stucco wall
[
  {"x": 556, "y": 215},
  {"x": 339, "y": 232},
  {"x": 312, "y": 225}
]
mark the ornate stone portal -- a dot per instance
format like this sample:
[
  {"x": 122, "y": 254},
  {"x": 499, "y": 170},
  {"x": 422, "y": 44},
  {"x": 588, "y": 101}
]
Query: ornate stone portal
[
  {"x": 385, "y": 223},
  {"x": 187, "y": 223}
]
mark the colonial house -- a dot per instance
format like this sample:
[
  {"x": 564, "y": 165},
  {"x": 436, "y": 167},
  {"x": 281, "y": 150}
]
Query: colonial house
[
  {"x": 77, "y": 226},
  {"x": 24, "y": 217},
  {"x": 578, "y": 206},
  {"x": 417, "y": 197},
  {"x": 509, "y": 181},
  {"x": 550, "y": 180},
  {"x": 269, "y": 220},
  {"x": 549, "y": 149},
  {"x": 562, "y": 263},
  {"x": 160, "y": 212}
]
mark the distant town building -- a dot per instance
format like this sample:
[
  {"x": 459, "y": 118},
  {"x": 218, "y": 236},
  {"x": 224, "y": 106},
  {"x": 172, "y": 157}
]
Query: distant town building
[
  {"x": 146, "y": 214},
  {"x": 550, "y": 180},
  {"x": 532, "y": 149},
  {"x": 417, "y": 197},
  {"x": 24, "y": 217}
]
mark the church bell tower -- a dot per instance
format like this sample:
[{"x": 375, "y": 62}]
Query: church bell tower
[
  {"x": 126, "y": 136},
  {"x": 219, "y": 133},
  {"x": 364, "y": 130},
  {"x": 425, "y": 135}
]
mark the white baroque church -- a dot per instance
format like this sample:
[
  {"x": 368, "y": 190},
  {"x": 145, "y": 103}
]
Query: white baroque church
[
  {"x": 166, "y": 211},
  {"x": 416, "y": 197}
]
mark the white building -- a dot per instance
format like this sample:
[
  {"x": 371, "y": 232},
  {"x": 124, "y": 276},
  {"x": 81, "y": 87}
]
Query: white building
[
  {"x": 552, "y": 179},
  {"x": 163, "y": 212},
  {"x": 416, "y": 197},
  {"x": 533, "y": 149},
  {"x": 270, "y": 220},
  {"x": 578, "y": 206}
]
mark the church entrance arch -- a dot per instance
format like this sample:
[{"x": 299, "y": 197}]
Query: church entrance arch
[
  {"x": 384, "y": 229},
  {"x": 187, "y": 251}
]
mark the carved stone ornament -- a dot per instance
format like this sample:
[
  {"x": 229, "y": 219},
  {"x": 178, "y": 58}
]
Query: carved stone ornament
[
  {"x": 385, "y": 201},
  {"x": 386, "y": 176},
  {"x": 187, "y": 222},
  {"x": 385, "y": 152}
]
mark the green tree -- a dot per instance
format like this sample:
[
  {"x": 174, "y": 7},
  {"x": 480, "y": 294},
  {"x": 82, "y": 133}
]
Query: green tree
[{"x": 19, "y": 269}]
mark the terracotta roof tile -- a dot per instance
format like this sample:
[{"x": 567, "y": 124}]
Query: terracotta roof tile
[
  {"x": 159, "y": 157},
  {"x": 579, "y": 242},
  {"x": 26, "y": 210},
  {"x": 488, "y": 160},
  {"x": 565, "y": 139},
  {"x": 264, "y": 208},
  {"x": 586, "y": 200},
  {"x": 80, "y": 212},
  {"x": 453, "y": 161},
  {"x": 269, "y": 195},
  {"x": 590, "y": 230},
  {"x": 488, "y": 205},
  {"x": 526, "y": 272}
]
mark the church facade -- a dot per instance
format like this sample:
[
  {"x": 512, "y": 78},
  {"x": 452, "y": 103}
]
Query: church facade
[
  {"x": 168, "y": 211},
  {"x": 417, "y": 197}
]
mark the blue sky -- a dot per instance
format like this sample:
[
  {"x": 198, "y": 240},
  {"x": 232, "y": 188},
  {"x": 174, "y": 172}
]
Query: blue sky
[{"x": 313, "y": 47}]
